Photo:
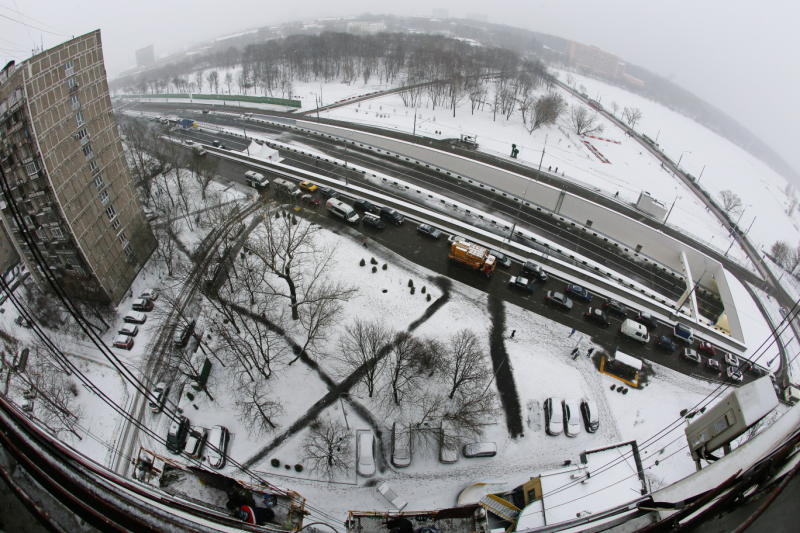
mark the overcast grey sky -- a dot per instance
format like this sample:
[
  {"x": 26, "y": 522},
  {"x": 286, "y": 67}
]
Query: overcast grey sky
[{"x": 738, "y": 55}]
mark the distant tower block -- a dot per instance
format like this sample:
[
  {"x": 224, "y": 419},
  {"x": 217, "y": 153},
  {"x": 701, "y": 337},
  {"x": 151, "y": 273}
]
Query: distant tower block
[{"x": 145, "y": 57}]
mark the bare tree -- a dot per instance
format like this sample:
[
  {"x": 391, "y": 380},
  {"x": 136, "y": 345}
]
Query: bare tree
[
  {"x": 213, "y": 81},
  {"x": 615, "y": 107},
  {"x": 328, "y": 447},
  {"x": 471, "y": 408},
  {"x": 780, "y": 253},
  {"x": 546, "y": 110},
  {"x": 464, "y": 363},
  {"x": 53, "y": 393},
  {"x": 228, "y": 81},
  {"x": 360, "y": 347},
  {"x": 257, "y": 409},
  {"x": 794, "y": 259},
  {"x": 401, "y": 367},
  {"x": 731, "y": 202},
  {"x": 632, "y": 115},
  {"x": 584, "y": 123}
]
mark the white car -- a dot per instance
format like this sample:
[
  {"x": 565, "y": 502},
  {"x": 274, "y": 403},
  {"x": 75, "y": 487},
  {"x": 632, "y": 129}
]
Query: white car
[
  {"x": 572, "y": 418},
  {"x": 217, "y": 446},
  {"x": 150, "y": 294},
  {"x": 365, "y": 454},
  {"x": 195, "y": 440},
  {"x": 731, "y": 360},
  {"x": 401, "y": 445},
  {"x": 553, "y": 416}
]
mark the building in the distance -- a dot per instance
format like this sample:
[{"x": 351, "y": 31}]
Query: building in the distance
[
  {"x": 67, "y": 198},
  {"x": 595, "y": 60},
  {"x": 145, "y": 57}
]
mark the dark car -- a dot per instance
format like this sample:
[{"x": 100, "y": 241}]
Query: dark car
[
  {"x": 216, "y": 143},
  {"x": 373, "y": 221},
  {"x": 327, "y": 192},
  {"x": 578, "y": 292},
  {"x": 707, "y": 348},
  {"x": 589, "y": 412},
  {"x": 559, "y": 300},
  {"x": 392, "y": 216},
  {"x": 176, "y": 437},
  {"x": 534, "y": 271},
  {"x": 518, "y": 282},
  {"x": 598, "y": 316},
  {"x": 647, "y": 320},
  {"x": 502, "y": 259},
  {"x": 366, "y": 206},
  {"x": 429, "y": 231},
  {"x": 666, "y": 343},
  {"x": 615, "y": 308}
]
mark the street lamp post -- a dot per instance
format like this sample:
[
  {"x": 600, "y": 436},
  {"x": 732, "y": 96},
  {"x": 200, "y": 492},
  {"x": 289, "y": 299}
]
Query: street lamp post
[
  {"x": 678, "y": 166},
  {"x": 670, "y": 209},
  {"x": 542, "y": 158},
  {"x": 519, "y": 209},
  {"x": 701, "y": 174}
]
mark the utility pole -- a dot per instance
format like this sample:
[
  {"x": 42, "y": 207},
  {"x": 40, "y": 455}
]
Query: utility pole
[
  {"x": 542, "y": 158},
  {"x": 670, "y": 209}
]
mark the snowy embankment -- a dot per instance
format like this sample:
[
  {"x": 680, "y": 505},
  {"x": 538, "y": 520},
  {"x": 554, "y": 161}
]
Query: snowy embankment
[{"x": 766, "y": 195}]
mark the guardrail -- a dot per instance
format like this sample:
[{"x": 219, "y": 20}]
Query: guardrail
[{"x": 222, "y": 97}]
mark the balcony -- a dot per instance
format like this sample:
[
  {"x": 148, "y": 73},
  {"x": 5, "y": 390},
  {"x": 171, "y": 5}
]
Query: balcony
[{"x": 85, "y": 140}]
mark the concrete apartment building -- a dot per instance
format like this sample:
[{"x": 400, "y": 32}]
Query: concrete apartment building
[{"x": 66, "y": 187}]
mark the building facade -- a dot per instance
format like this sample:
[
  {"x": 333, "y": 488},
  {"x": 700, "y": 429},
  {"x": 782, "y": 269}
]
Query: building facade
[{"x": 67, "y": 201}]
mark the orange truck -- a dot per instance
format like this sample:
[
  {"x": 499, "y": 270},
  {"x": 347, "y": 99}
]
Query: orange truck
[{"x": 474, "y": 256}]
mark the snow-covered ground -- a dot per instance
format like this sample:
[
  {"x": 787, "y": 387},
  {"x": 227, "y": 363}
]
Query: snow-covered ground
[
  {"x": 723, "y": 164},
  {"x": 630, "y": 168}
]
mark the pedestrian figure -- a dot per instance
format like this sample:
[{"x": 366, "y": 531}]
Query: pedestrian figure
[
  {"x": 556, "y": 170},
  {"x": 513, "y": 331},
  {"x": 590, "y": 352},
  {"x": 574, "y": 353},
  {"x": 550, "y": 168},
  {"x": 616, "y": 194},
  {"x": 571, "y": 332}
]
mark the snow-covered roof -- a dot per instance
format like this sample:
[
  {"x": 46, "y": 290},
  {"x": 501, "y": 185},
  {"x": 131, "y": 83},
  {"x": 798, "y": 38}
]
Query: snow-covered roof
[{"x": 628, "y": 360}]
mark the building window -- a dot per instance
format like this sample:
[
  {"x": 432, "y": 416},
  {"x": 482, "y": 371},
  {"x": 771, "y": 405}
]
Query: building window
[
  {"x": 122, "y": 237},
  {"x": 72, "y": 82},
  {"x": 104, "y": 197},
  {"x": 98, "y": 181},
  {"x": 79, "y": 119},
  {"x": 111, "y": 212},
  {"x": 115, "y": 223},
  {"x": 76, "y": 102},
  {"x": 69, "y": 66},
  {"x": 93, "y": 166},
  {"x": 82, "y": 133},
  {"x": 56, "y": 233},
  {"x": 87, "y": 150},
  {"x": 128, "y": 249},
  {"x": 31, "y": 168}
]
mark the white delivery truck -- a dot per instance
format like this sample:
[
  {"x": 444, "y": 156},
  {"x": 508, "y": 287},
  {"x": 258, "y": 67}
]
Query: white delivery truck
[
  {"x": 341, "y": 210},
  {"x": 632, "y": 329},
  {"x": 256, "y": 179},
  {"x": 284, "y": 186}
]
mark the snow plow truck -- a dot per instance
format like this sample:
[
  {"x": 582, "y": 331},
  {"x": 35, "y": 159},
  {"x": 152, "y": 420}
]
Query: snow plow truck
[{"x": 474, "y": 256}]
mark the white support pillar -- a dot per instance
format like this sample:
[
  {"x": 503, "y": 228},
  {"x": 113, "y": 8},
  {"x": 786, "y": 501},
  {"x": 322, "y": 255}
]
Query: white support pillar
[{"x": 689, "y": 292}]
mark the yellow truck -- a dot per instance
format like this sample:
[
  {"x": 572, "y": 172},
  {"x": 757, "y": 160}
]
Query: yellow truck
[{"x": 474, "y": 256}]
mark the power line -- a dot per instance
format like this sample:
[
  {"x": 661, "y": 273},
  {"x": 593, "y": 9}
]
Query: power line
[{"x": 31, "y": 26}]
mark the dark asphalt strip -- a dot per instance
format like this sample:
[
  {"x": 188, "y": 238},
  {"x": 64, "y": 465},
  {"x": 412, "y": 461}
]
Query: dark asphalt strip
[{"x": 503, "y": 375}]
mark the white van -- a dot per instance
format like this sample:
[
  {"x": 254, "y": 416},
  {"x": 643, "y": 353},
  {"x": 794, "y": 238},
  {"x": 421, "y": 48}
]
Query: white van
[
  {"x": 340, "y": 209},
  {"x": 634, "y": 330},
  {"x": 280, "y": 185},
  {"x": 365, "y": 453},
  {"x": 255, "y": 179}
]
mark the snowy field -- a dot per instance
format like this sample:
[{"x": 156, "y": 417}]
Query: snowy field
[
  {"x": 723, "y": 164},
  {"x": 630, "y": 168}
]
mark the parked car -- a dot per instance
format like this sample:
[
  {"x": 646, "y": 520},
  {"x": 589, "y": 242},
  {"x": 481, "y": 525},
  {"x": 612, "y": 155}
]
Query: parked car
[
  {"x": 159, "y": 397},
  {"x": 128, "y": 329},
  {"x": 684, "y": 333},
  {"x": 401, "y": 445},
  {"x": 502, "y": 259},
  {"x": 706, "y": 348},
  {"x": 308, "y": 186},
  {"x": 366, "y": 206},
  {"x": 518, "y": 282},
  {"x": 731, "y": 360},
  {"x": 578, "y": 292},
  {"x": 429, "y": 231},
  {"x": 713, "y": 364},
  {"x": 391, "y": 496},
  {"x": 613, "y": 307},
  {"x": 456, "y": 238},
  {"x": 692, "y": 355},
  {"x": 589, "y": 412},
  {"x": 217, "y": 446},
  {"x": 365, "y": 454},
  {"x": 553, "y": 416},
  {"x": 572, "y": 422},
  {"x": 327, "y": 192},
  {"x": 479, "y": 449},
  {"x": 134, "y": 317},
  {"x": 559, "y": 300},
  {"x": 195, "y": 439},
  {"x": 646, "y": 319},
  {"x": 176, "y": 436},
  {"x": 734, "y": 374},
  {"x": 373, "y": 221},
  {"x": 598, "y": 316},
  {"x": 666, "y": 343},
  {"x": 183, "y": 332},
  {"x": 534, "y": 271},
  {"x": 634, "y": 330},
  {"x": 142, "y": 304},
  {"x": 255, "y": 179},
  {"x": 150, "y": 294},
  {"x": 310, "y": 200},
  {"x": 392, "y": 216},
  {"x": 448, "y": 453},
  {"x": 123, "y": 341}
]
